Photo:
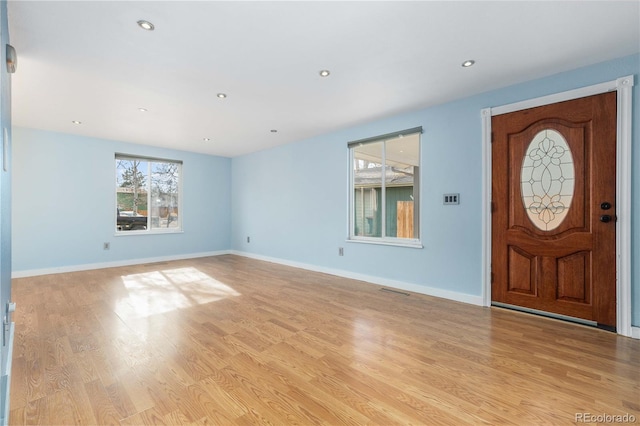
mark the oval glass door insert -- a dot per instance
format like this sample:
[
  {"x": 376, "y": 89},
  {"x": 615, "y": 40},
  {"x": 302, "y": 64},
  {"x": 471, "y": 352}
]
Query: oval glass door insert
[{"x": 547, "y": 179}]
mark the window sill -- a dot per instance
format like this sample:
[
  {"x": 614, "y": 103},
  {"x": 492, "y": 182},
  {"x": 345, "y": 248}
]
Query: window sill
[
  {"x": 378, "y": 241},
  {"x": 146, "y": 232}
]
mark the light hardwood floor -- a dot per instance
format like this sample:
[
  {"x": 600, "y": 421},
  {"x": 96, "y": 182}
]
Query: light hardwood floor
[{"x": 229, "y": 340}]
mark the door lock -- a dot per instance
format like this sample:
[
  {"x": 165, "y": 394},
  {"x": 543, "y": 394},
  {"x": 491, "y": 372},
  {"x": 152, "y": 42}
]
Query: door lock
[
  {"x": 6, "y": 321},
  {"x": 606, "y": 218},
  {"x": 605, "y": 206}
]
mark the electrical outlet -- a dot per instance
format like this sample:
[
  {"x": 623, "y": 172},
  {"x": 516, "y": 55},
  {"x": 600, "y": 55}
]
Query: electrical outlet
[
  {"x": 106, "y": 246},
  {"x": 248, "y": 239},
  {"x": 340, "y": 251}
]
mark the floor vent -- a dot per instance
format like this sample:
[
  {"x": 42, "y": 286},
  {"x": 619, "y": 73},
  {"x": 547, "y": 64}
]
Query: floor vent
[{"x": 389, "y": 290}]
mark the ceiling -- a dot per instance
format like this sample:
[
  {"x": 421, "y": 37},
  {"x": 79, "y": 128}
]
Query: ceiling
[{"x": 89, "y": 61}]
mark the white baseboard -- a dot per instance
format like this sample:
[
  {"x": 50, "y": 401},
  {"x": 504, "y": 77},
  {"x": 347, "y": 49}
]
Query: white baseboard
[
  {"x": 89, "y": 266},
  {"x": 401, "y": 285}
]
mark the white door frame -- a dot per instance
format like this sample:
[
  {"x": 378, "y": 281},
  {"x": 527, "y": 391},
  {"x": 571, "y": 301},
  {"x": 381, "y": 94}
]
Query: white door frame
[{"x": 623, "y": 86}]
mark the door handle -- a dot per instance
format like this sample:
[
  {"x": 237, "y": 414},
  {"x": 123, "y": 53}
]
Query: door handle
[{"x": 606, "y": 218}]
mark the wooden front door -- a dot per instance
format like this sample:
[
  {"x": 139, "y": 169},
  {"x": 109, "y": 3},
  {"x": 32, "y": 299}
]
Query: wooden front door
[{"x": 554, "y": 208}]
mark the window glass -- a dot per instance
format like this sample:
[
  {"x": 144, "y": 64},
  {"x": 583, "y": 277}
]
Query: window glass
[
  {"x": 367, "y": 176},
  {"x": 147, "y": 194},
  {"x": 384, "y": 192}
]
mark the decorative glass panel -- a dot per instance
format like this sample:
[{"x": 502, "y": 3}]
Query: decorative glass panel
[{"x": 547, "y": 179}]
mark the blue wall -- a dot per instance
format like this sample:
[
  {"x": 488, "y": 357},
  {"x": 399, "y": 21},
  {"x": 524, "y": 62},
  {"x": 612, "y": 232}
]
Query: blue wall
[
  {"x": 292, "y": 200},
  {"x": 64, "y": 201}
]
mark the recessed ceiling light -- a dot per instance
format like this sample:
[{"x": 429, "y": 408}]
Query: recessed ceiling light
[
  {"x": 324, "y": 73},
  {"x": 221, "y": 95},
  {"x": 76, "y": 122},
  {"x": 146, "y": 25},
  {"x": 143, "y": 109},
  {"x": 274, "y": 130},
  {"x": 206, "y": 139},
  {"x": 468, "y": 63}
]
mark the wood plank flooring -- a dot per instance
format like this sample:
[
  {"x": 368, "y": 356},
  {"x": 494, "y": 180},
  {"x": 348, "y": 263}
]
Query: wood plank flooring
[{"x": 233, "y": 341}]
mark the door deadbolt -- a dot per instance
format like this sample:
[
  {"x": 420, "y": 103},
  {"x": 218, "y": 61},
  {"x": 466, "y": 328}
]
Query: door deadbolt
[{"x": 605, "y": 206}]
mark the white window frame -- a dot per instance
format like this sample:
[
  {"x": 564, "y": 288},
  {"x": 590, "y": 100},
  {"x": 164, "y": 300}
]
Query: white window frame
[
  {"x": 150, "y": 230},
  {"x": 383, "y": 239}
]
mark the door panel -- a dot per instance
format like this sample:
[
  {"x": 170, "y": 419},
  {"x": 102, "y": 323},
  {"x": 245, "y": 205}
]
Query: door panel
[
  {"x": 573, "y": 274},
  {"x": 552, "y": 168},
  {"x": 522, "y": 271}
]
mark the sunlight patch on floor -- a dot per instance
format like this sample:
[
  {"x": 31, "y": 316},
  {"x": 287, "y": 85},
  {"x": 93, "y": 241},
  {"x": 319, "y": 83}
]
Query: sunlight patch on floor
[{"x": 157, "y": 292}]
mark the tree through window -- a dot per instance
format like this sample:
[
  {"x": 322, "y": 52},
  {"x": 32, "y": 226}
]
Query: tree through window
[{"x": 147, "y": 194}]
